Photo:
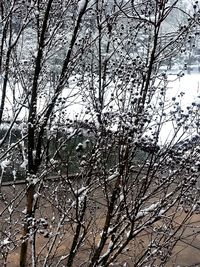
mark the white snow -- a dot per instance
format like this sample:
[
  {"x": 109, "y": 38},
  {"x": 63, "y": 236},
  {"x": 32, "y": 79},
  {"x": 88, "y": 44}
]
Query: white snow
[
  {"x": 53, "y": 161},
  {"x": 145, "y": 211},
  {"x": 108, "y": 250},
  {"x": 81, "y": 193},
  {"x": 24, "y": 164},
  {"x": 121, "y": 197},
  {"x": 110, "y": 245},
  {"x": 14, "y": 174},
  {"x": 189, "y": 85},
  {"x": 113, "y": 176},
  {"x": 81, "y": 190},
  {"x": 5, "y": 241},
  {"x": 10, "y": 209},
  {"x": 128, "y": 233},
  {"x": 4, "y": 164},
  {"x": 81, "y": 5},
  {"x": 110, "y": 229}
]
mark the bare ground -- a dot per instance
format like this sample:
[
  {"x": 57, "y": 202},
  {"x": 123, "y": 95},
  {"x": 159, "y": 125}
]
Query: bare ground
[{"x": 185, "y": 254}]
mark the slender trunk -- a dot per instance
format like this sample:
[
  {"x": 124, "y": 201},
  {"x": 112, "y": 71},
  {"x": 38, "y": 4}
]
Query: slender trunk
[
  {"x": 24, "y": 246},
  {"x": 32, "y": 166}
]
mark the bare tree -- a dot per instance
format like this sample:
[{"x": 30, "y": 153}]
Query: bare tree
[{"x": 83, "y": 106}]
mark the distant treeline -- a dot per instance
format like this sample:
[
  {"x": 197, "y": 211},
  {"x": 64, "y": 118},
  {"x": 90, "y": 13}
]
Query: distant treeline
[{"x": 68, "y": 157}]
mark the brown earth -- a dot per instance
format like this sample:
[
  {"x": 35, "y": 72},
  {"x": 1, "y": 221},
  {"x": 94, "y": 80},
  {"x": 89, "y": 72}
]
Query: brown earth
[{"x": 185, "y": 254}]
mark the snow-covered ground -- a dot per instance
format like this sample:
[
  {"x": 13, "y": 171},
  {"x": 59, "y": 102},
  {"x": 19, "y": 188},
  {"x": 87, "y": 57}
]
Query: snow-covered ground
[
  {"x": 185, "y": 89},
  {"x": 189, "y": 84}
]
